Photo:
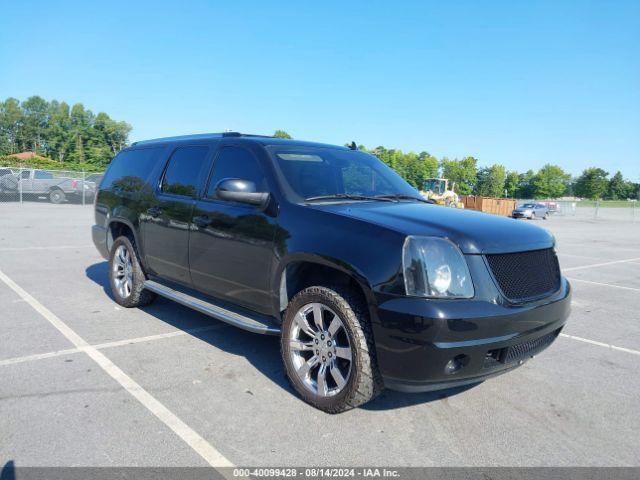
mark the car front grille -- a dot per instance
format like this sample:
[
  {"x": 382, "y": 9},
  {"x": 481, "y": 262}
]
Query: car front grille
[{"x": 526, "y": 276}]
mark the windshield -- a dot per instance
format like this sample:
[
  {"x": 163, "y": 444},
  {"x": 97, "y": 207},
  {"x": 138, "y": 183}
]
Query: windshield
[
  {"x": 528, "y": 205},
  {"x": 318, "y": 172}
]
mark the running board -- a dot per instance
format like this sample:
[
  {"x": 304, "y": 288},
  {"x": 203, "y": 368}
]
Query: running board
[{"x": 252, "y": 324}]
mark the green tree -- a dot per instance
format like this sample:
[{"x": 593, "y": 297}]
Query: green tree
[
  {"x": 491, "y": 181},
  {"x": 282, "y": 134},
  {"x": 511, "y": 183},
  {"x": 56, "y": 131},
  {"x": 619, "y": 188},
  {"x": 461, "y": 172},
  {"x": 593, "y": 183},
  {"x": 11, "y": 123},
  {"x": 550, "y": 182},
  {"x": 36, "y": 118},
  {"x": 525, "y": 185},
  {"x": 429, "y": 166}
]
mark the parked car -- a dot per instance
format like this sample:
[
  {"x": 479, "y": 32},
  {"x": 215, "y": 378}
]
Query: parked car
[
  {"x": 94, "y": 178},
  {"x": 8, "y": 180},
  {"x": 368, "y": 285},
  {"x": 531, "y": 211},
  {"x": 38, "y": 183}
]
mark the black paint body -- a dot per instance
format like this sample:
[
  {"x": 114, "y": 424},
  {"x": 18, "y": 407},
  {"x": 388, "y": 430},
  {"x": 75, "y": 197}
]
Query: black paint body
[{"x": 240, "y": 252}]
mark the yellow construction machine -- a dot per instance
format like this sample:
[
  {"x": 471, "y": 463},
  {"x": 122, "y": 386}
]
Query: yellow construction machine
[{"x": 437, "y": 189}]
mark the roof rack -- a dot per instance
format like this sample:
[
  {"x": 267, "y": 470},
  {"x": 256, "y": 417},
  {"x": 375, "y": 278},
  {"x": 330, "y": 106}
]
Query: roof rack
[{"x": 198, "y": 136}]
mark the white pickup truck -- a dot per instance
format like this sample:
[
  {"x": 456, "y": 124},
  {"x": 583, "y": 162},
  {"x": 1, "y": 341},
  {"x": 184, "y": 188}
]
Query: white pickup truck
[{"x": 40, "y": 183}]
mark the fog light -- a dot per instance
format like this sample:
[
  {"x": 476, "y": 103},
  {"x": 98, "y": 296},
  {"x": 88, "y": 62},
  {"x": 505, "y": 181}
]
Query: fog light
[{"x": 456, "y": 364}]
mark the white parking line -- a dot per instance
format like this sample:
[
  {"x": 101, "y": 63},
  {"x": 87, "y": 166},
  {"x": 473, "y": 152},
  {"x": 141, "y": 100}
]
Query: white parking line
[
  {"x": 117, "y": 343},
  {"x": 212, "y": 456},
  {"x": 593, "y": 265},
  {"x": 151, "y": 338},
  {"x": 603, "y": 284},
  {"x": 38, "y": 356},
  {"x": 601, "y": 344},
  {"x": 52, "y": 247}
]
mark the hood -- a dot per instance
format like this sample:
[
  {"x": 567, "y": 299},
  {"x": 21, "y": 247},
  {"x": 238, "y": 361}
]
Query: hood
[{"x": 474, "y": 232}]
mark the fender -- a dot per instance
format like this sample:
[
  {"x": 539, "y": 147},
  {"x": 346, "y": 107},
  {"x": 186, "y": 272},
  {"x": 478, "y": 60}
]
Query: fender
[{"x": 326, "y": 261}]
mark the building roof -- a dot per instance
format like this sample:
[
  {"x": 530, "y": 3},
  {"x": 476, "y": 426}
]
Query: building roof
[{"x": 24, "y": 155}]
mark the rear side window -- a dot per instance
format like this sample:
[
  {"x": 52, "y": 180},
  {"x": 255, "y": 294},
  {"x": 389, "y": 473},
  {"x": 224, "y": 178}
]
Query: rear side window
[
  {"x": 131, "y": 167},
  {"x": 184, "y": 170},
  {"x": 234, "y": 162}
]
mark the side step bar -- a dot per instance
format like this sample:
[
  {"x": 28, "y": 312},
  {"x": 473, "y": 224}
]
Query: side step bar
[{"x": 252, "y": 324}]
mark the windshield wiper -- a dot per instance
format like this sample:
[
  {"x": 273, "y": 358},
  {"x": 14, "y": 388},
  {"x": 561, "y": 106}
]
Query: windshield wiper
[
  {"x": 346, "y": 196},
  {"x": 401, "y": 196}
]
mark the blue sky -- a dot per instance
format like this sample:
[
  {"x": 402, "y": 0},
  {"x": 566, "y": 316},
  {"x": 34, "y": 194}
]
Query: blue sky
[{"x": 521, "y": 83}]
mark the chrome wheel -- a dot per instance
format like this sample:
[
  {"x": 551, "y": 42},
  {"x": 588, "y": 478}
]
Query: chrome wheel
[
  {"x": 320, "y": 350},
  {"x": 122, "y": 271}
]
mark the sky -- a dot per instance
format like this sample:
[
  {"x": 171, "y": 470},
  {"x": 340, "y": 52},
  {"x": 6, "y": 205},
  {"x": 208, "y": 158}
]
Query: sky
[{"x": 521, "y": 83}]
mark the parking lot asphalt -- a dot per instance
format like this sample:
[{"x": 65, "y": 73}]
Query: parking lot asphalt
[{"x": 86, "y": 382}]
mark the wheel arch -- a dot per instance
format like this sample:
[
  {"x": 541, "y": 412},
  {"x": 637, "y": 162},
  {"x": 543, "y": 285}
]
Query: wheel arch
[
  {"x": 119, "y": 226},
  {"x": 301, "y": 270}
]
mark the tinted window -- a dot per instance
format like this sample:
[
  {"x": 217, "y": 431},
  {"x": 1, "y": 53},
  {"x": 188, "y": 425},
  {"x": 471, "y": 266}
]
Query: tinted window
[
  {"x": 136, "y": 165},
  {"x": 233, "y": 162},
  {"x": 25, "y": 174},
  {"x": 40, "y": 175},
  {"x": 183, "y": 173}
]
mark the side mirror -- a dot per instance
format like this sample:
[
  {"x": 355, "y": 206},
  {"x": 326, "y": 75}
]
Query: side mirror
[{"x": 241, "y": 191}]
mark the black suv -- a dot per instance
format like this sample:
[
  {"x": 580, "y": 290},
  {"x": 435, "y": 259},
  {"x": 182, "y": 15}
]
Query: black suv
[{"x": 368, "y": 284}]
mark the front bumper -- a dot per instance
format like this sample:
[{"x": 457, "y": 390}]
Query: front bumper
[
  {"x": 521, "y": 214},
  {"x": 425, "y": 345}
]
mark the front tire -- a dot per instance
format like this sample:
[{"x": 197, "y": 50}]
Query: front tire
[
  {"x": 328, "y": 350},
  {"x": 126, "y": 276}
]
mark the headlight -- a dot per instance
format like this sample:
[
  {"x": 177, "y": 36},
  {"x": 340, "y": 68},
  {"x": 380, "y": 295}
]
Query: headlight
[{"x": 435, "y": 267}]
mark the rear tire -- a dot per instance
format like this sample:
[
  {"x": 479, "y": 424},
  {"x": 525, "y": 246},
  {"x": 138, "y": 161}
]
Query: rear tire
[
  {"x": 345, "y": 383},
  {"x": 126, "y": 276},
  {"x": 56, "y": 196}
]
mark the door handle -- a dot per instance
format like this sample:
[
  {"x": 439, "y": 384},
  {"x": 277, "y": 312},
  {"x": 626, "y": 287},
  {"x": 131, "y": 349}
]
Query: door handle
[
  {"x": 202, "y": 221},
  {"x": 154, "y": 211}
]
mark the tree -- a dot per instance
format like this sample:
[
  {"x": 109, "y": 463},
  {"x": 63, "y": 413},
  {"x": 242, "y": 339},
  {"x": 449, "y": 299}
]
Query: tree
[
  {"x": 11, "y": 123},
  {"x": 593, "y": 183},
  {"x": 619, "y": 188},
  {"x": 511, "y": 183},
  {"x": 36, "y": 118},
  {"x": 550, "y": 182},
  {"x": 429, "y": 166},
  {"x": 282, "y": 134},
  {"x": 525, "y": 185},
  {"x": 56, "y": 131},
  {"x": 491, "y": 181},
  {"x": 461, "y": 172}
]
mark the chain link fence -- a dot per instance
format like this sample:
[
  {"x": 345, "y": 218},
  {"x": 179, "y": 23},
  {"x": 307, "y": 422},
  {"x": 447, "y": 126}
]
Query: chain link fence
[
  {"x": 621, "y": 210},
  {"x": 20, "y": 185}
]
